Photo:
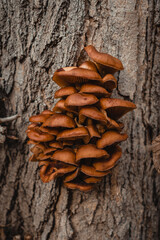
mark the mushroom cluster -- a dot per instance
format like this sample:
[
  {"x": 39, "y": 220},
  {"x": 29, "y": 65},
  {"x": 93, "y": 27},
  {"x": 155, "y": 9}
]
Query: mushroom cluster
[{"x": 78, "y": 139}]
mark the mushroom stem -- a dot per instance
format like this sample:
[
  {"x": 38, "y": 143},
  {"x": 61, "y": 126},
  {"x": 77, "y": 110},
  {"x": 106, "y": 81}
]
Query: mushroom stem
[{"x": 9, "y": 119}]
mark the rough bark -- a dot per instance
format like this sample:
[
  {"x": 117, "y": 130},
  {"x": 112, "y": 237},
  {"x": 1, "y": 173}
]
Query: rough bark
[{"x": 37, "y": 37}]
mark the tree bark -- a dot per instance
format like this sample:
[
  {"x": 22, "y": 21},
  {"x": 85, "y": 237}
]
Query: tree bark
[{"x": 37, "y": 37}]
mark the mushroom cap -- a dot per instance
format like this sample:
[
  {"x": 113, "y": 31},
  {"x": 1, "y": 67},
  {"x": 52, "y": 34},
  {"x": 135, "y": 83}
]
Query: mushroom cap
[
  {"x": 104, "y": 165},
  {"x": 116, "y": 108},
  {"x": 93, "y": 132},
  {"x": 111, "y": 137},
  {"x": 80, "y": 186},
  {"x": 92, "y": 179},
  {"x": 94, "y": 89},
  {"x": 80, "y": 99},
  {"x": 64, "y": 78},
  {"x": 57, "y": 145},
  {"x": 90, "y": 151},
  {"x": 59, "y": 120},
  {"x": 38, "y": 148},
  {"x": 39, "y": 136},
  {"x": 61, "y": 107},
  {"x": 110, "y": 63},
  {"x": 109, "y": 82},
  {"x": 32, "y": 125},
  {"x": 64, "y": 92},
  {"x": 49, "y": 130},
  {"x": 89, "y": 65},
  {"x": 91, "y": 171},
  {"x": 49, "y": 171},
  {"x": 41, "y": 118},
  {"x": 73, "y": 134},
  {"x": 47, "y": 112},
  {"x": 93, "y": 113},
  {"x": 72, "y": 176},
  {"x": 66, "y": 155}
]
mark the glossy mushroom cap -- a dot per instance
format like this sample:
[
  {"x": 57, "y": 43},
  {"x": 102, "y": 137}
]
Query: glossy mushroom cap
[
  {"x": 94, "y": 89},
  {"x": 66, "y": 155},
  {"x": 104, "y": 165},
  {"x": 80, "y": 99},
  {"x": 37, "y": 135},
  {"x": 90, "y": 151},
  {"x": 111, "y": 137},
  {"x": 89, "y": 65},
  {"x": 105, "y": 62},
  {"x": 91, "y": 171},
  {"x": 79, "y": 186},
  {"x": 116, "y": 108},
  {"x": 60, "y": 120},
  {"x": 91, "y": 112},
  {"x": 73, "y": 134},
  {"x": 61, "y": 107},
  {"x": 39, "y": 118},
  {"x": 64, "y": 92},
  {"x": 76, "y": 75}
]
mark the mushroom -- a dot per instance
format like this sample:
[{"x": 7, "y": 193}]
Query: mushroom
[
  {"x": 61, "y": 107},
  {"x": 80, "y": 99},
  {"x": 104, "y": 62},
  {"x": 116, "y": 108},
  {"x": 39, "y": 118},
  {"x": 109, "y": 82},
  {"x": 111, "y": 137},
  {"x": 66, "y": 155},
  {"x": 106, "y": 164},
  {"x": 90, "y": 151},
  {"x": 91, "y": 112},
  {"x": 71, "y": 176},
  {"x": 59, "y": 120},
  {"x": 65, "y": 77},
  {"x": 80, "y": 186},
  {"x": 93, "y": 179},
  {"x": 91, "y": 171},
  {"x": 93, "y": 132},
  {"x": 57, "y": 145},
  {"x": 94, "y": 89},
  {"x": 89, "y": 65},
  {"x": 73, "y": 134},
  {"x": 39, "y": 136},
  {"x": 64, "y": 92}
]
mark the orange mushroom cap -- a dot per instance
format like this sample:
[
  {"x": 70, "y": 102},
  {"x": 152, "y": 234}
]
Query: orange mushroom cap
[
  {"x": 92, "y": 179},
  {"x": 72, "y": 176},
  {"x": 64, "y": 92},
  {"x": 104, "y": 61},
  {"x": 104, "y": 165},
  {"x": 91, "y": 171},
  {"x": 94, "y": 89},
  {"x": 64, "y": 78},
  {"x": 111, "y": 137},
  {"x": 109, "y": 82},
  {"x": 61, "y": 107},
  {"x": 39, "y": 136},
  {"x": 116, "y": 108},
  {"x": 39, "y": 118},
  {"x": 93, "y": 113},
  {"x": 80, "y": 186},
  {"x": 89, "y": 65},
  {"x": 80, "y": 99},
  {"x": 90, "y": 151},
  {"x": 59, "y": 120},
  {"x": 73, "y": 134},
  {"x": 57, "y": 145},
  {"x": 66, "y": 155}
]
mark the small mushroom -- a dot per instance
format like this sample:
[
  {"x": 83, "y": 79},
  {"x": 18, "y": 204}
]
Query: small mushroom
[
  {"x": 106, "y": 164},
  {"x": 116, "y": 108},
  {"x": 80, "y": 99},
  {"x": 109, "y": 82},
  {"x": 73, "y": 134},
  {"x": 91, "y": 171},
  {"x": 64, "y": 78},
  {"x": 89, "y": 65},
  {"x": 39, "y": 118},
  {"x": 39, "y": 136},
  {"x": 80, "y": 186},
  {"x": 72, "y": 176},
  {"x": 93, "y": 131},
  {"x": 111, "y": 137},
  {"x": 94, "y": 89},
  {"x": 64, "y": 92},
  {"x": 59, "y": 120},
  {"x": 90, "y": 151},
  {"x": 93, "y": 179},
  {"x": 91, "y": 112},
  {"x": 61, "y": 107},
  {"x": 66, "y": 155},
  {"x": 104, "y": 62},
  {"x": 57, "y": 145}
]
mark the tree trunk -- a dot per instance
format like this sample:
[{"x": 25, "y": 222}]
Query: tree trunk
[{"x": 37, "y": 37}]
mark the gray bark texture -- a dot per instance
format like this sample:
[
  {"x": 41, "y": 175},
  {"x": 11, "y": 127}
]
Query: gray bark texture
[{"x": 37, "y": 37}]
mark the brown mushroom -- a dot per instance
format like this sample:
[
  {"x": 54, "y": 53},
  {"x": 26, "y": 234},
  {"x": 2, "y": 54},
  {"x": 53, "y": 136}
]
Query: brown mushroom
[
  {"x": 66, "y": 155},
  {"x": 64, "y": 92},
  {"x": 61, "y": 107},
  {"x": 91, "y": 112},
  {"x": 59, "y": 120},
  {"x": 104, "y": 165},
  {"x": 93, "y": 132},
  {"x": 64, "y": 78},
  {"x": 80, "y": 186},
  {"x": 89, "y": 65},
  {"x": 94, "y": 89},
  {"x": 93, "y": 179},
  {"x": 73, "y": 134},
  {"x": 116, "y": 108},
  {"x": 111, "y": 137},
  {"x": 72, "y": 176},
  {"x": 39, "y": 136},
  {"x": 104, "y": 62},
  {"x": 109, "y": 82},
  {"x": 39, "y": 118},
  {"x": 90, "y": 151},
  {"x": 49, "y": 130},
  {"x": 80, "y": 99},
  {"x": 91, "y": 171},
  {"x": 57, "y": 145}
]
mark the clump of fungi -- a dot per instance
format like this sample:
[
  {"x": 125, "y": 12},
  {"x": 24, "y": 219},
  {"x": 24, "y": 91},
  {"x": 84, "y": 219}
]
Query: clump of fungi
[{"x": 78, "y": 139}]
